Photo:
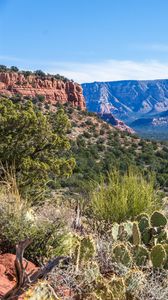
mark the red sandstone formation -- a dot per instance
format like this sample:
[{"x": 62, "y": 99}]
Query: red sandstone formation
[
  {"x": 123, "y": 127},
  {"x": 7, "y": 272},
  {"x": 8, "y": 276},
  {"x": 54, "y": 91},
  {"x": 108, "y": 117}
]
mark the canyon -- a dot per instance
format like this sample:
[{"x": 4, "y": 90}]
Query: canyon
[{"x": 142, "y": 105}]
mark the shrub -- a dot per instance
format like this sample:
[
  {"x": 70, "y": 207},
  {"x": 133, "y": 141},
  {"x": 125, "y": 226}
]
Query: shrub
[
  {"x": 40, "y": 73},
  {"x": 14, "y": 69},
  {"x": 70, "y": 110},
  {"x": 40, "y": 98},
  {"x": 102, "y": 131},
  {"x": 89, "y": 122},
  {"x": 3, "y": 68},
  {"x": 19, "y": 221},
  {"x": 123, "y": 197},
  {"x": 26, "y": 73},
  {"x": 87, "y": 135}
]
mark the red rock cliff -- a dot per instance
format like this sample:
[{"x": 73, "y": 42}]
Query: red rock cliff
[{"x": 12, "y": 83}]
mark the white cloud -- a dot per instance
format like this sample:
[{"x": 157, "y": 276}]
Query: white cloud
[{"x": 111, "y": 70}]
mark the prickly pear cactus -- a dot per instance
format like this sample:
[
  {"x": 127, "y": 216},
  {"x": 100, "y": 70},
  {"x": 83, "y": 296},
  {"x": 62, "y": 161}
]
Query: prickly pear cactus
[
  {"x": 102, "y": 290},
  {"x": 114, "y": 231},
  {"x": 140, "y": 255},
  {"x": 128, "y": 228},
  {"x": 158, "y": 219},
  {"x": 134, "y": 279},
  {"x": 136, "y": 234},
  {"x": 143, "y": 223},
  {"x": 41, "y": 291},
  {"x": 122, "y": 233},
  {"x": 122, "y": 255},
  {"x": 158, "y": 256},
  {"x": 142, "y": 215},
  {"x": 87, "y": 248},
  {"x": 162, "y": 236},
  {"x": 166, "y": 249},
  {"x": 92, "y": 272},
  {"x": 118, "y": 289},
  {"x": 146, "y": 236}
]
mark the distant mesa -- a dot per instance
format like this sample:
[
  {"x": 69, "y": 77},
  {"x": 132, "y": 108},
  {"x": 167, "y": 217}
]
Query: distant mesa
[
  {"x": 30, "y": 85},
  {"x": 139, "y": 104}
]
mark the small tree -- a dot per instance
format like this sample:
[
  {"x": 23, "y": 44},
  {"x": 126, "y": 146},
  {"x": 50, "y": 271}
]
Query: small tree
[
  {"x": 34, "y": 144},
  {"x": 39, "y": 73},
  {"x": 3, "y": 68},
  {"x": 14, "y": 69}
]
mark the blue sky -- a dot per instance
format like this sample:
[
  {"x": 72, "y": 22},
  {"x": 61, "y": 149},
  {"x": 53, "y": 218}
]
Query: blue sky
[{"x": 86, "y": 40}]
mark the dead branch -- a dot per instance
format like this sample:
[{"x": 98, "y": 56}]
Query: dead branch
[{"x": 24, "y": 280}]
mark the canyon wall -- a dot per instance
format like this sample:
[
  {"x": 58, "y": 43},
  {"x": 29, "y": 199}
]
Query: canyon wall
[{"x": 54, "y": 91}]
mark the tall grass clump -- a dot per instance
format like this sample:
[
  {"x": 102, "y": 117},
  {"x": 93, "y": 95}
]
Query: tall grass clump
[{"x": 121, "y": 197}]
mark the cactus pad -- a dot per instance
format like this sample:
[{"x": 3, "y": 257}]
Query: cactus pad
[
  {"x": 141, "y": 255},
  {"x": 158, "y": 256},
  {"x": 158, "y": 219},
  {"x": 136, "y": 234},
  {"x": 122, "y": 255},
  {"x": 114, "y": 231},
  {"x": 143, "y": 224}
]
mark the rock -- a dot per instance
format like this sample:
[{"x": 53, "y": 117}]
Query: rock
[
  {"x": 54, "y": 91},
  {"x": 7, "y": 272},
  {"x": 8, "y": 278},
  {"x": 108, "y": 117}
]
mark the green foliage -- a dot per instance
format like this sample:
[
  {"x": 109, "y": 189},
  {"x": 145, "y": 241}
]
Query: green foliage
[
  {"x": 122, "y": 197},
  {"x": 14, "y": 69},
  {"x": 158, "y": 256},
  {"x": 87, "y": 135},
  {"x": 158, "y": 219},
  {"x": 60, "y": 77},
  {"x": 34, "y": 145},
  {"x": 115, "y": 150},
  {"x": 3, "y": 68},
  {"x": 40, "y": 98},
  {"x": 40, "y": 73}
]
